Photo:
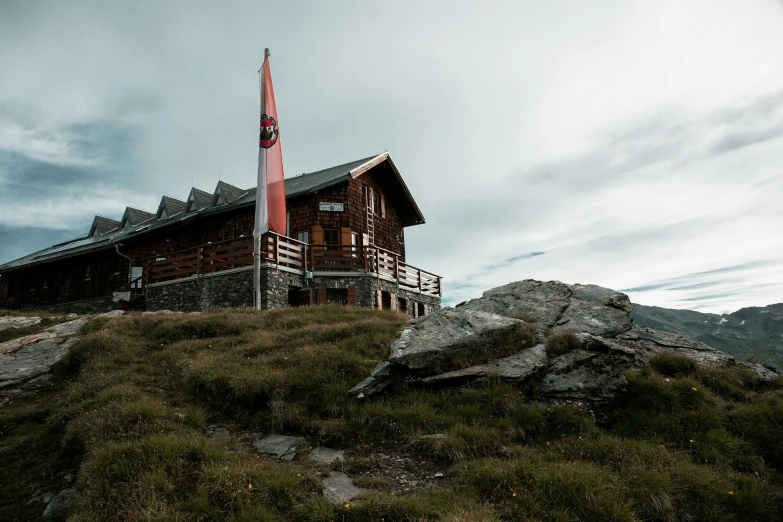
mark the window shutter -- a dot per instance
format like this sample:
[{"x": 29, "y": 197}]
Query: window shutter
[
  {"x": 353, "y": 296},
  {"x": 378, "y": 300},
  {"x": 321, "y": 296},
  {"x": 345, "y": 239},
  {"x": 305, "y": 297},
  {"x": 383, "y": 206},
  {"x": 318, "y": 235}
]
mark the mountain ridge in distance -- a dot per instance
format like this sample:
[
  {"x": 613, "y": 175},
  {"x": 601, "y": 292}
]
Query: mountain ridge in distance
[{"x": 752, "y": 331}]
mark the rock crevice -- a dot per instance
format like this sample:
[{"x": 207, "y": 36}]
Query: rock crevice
[{"x": 592, "y": 371}]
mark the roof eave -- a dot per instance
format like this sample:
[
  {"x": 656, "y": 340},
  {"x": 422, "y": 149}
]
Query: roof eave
[{"x": 380, "y": 158}]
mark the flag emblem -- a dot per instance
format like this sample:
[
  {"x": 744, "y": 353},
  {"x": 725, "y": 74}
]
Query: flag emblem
[{"x": 269, "y": 131}]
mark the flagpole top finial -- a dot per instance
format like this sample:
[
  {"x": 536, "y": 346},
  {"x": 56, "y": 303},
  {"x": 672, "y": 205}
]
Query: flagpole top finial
[{"x": 266, "y": 52}]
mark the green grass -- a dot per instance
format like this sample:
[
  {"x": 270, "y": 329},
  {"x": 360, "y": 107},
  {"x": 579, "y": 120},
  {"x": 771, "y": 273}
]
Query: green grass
[
  {"x": 561, "y": 343},
  {"x": 135, "y": 395}
]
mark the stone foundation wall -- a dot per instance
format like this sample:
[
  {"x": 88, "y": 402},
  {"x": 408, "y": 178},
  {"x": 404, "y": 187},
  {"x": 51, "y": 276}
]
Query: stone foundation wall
[
  {"x": 234, "y": 288},
  {"x": 368, "y": 285},
  {"x": 274, "y": 286},
  {"x": 231, "y": 288}
]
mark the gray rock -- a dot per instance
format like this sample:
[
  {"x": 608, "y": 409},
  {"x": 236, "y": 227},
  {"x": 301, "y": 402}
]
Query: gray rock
[
  {"x": 68, "y": 328},
  {"x": 379, "y": 379},
  {"x": 587, "y": 376},
  {"x": 219, "y": 432},
  {"x": 593, "y": 374},
  {"x": 577, "y": 308},
  {"x": 8, "y": 322},
  {"x": 326, "y": 455},
  {"x": 517, "y": 367},
  {"x": 446, "y": 332},
  {"x": 544, "y": 301},
  {"x": 31, "y": 360},
  {"x": 282, "y": 447},
  {"x": 42, "y": 381},
  {"x": 62, "y": 500},
  {"x": 339, "y": 489}
]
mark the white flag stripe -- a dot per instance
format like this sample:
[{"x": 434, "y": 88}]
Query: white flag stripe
[{"x": 262, "y": 213}]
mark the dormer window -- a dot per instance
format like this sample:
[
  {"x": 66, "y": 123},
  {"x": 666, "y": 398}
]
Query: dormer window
[
  {"x": 218, "y": 200},
  {"x": 125, "y": 223},
  {"x": 162, "y": 213}
]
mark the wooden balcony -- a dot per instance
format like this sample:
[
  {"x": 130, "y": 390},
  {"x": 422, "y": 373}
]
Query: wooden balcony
[{"x": 290, "y": 253}]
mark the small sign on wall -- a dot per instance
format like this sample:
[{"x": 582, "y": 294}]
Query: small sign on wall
[{"x": 331, "y": 207}]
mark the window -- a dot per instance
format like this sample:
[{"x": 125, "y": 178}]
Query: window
[
  {"x": 303, "y": 236},
  {"x": 386, "y": 301},
  {"x": 354, "y": 244},
  {"x": 336, "y": 296},
  {"x": 331, "y": 239},
  {"x": 402, "y": 305},
  {"x": 376, "y": 203},
  {"x": 162, "y": 213},
  {"x": 218, "y": 200},
  {"x": 420, "y": 309}
]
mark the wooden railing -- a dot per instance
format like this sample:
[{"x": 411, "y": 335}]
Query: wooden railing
[
  {"x": 284, "y": 251},
  {"x": 376, "y": 260},
  {"x": 223, "y": 255}
]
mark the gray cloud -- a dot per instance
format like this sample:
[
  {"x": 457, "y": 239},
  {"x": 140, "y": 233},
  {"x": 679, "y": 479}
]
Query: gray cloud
[{"x": 131, "y": 101}]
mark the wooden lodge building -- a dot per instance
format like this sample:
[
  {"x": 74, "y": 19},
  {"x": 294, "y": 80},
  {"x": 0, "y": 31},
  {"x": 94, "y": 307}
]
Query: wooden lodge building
[{"x": 345, "y": 244}]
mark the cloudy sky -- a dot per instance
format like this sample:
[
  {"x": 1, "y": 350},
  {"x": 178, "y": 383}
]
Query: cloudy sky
[{"x": 634, "y": 145}]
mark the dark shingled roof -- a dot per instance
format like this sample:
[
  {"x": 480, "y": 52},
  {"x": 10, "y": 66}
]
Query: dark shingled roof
[
  {"x": 136, "y": 216},
  {"x": 202, "y": 198},
  {"x": 172, "y": 206},
  {"x": 142, "y": 221},
  {"x": 101, "y": 225},
  {"x": 231, "y": 192}
]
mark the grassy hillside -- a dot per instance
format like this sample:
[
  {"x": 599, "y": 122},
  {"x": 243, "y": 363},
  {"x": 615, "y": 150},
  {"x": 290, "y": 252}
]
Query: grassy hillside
[{"x": 138, "y": 396}]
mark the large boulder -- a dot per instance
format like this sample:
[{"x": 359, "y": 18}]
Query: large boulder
[
  {"x": 442, "y": 340},
  {"x": 602, "y": 343},
  {"x": 558, "y": 306}
]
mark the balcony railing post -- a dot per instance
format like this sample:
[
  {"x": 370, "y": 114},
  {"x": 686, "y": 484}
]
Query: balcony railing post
[
  {"x": 199, "y": 260},
  {"x": 419, "y": 278},
  {"x": 397, "y": 268}
]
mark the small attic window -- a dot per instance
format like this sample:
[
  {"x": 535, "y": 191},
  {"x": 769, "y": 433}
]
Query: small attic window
[
  {"x": 125, "y": 223},
  {"x": 218, "y": 200},
  {"x": 92, "y": 232},
  {"x": 191, "y": 206},
  {"x": 162, "y": 213}
]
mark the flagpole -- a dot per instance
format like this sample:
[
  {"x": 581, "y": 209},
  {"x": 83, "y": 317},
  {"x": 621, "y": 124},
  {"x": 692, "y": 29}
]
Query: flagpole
[{"x": 257, "y": 239}]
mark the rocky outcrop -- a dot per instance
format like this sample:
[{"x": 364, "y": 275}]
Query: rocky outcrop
[
  {"x": 25, "y": 362},
  {"x": 8, "y": 322},
  {"x": 591, "y": 371}
]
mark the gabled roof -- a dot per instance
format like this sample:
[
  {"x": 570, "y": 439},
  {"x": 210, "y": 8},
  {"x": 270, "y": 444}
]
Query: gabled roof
[
  {"x": 382, "y": 164},
  {"x": 314, "y": 181},
  {"x": 296, "y": 186},
  {"x": 197, "y": 200},
  {"x": 170, "y": 206},
  {"x": 101, "y": 225},
  {"x": 225, "y": 194},
  {"x": 134, "y": 216}
]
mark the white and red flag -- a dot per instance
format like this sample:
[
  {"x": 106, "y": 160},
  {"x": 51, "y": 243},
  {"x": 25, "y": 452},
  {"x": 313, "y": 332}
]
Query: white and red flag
[{"x": 270, "y": 194}]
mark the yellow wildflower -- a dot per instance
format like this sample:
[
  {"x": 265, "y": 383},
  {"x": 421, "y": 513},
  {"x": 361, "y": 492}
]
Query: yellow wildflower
[
  {"x": 731, "y": 492},
  {"x": 347, "y": 506}
]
